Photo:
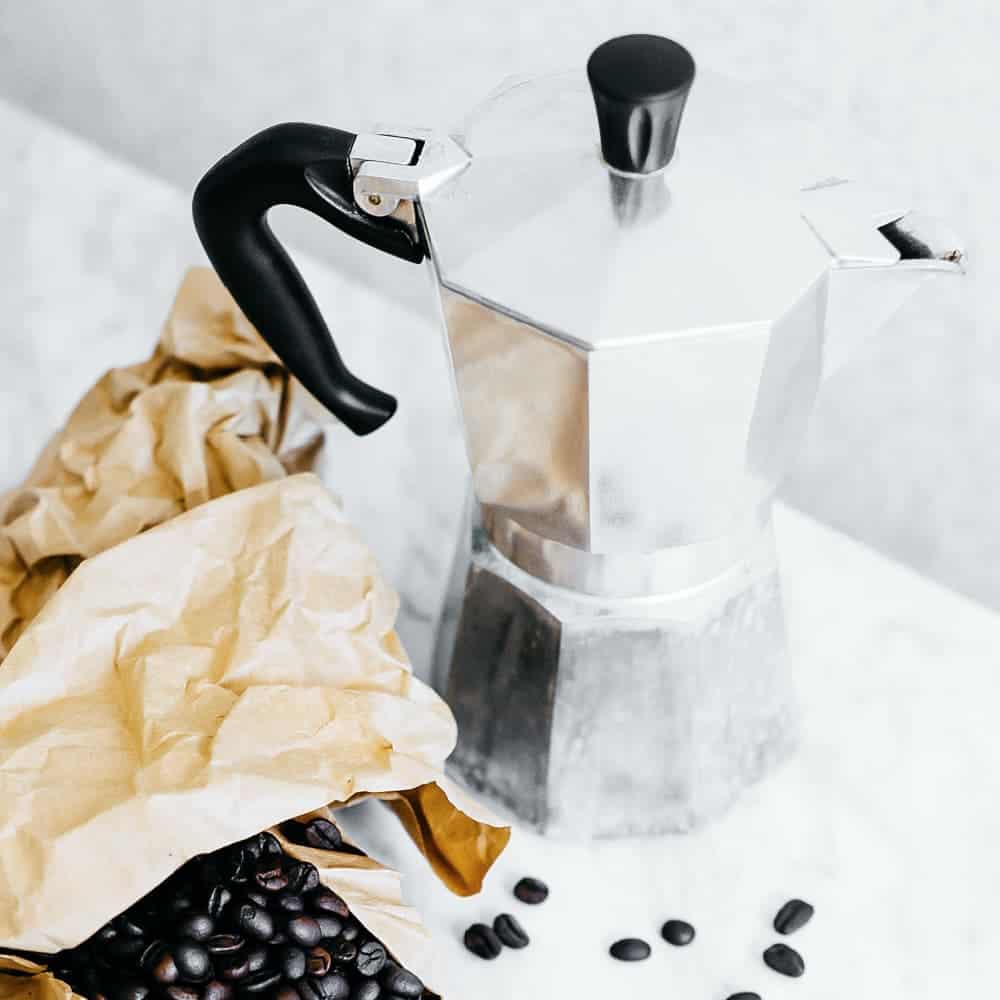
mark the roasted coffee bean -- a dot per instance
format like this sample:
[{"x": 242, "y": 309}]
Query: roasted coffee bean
[
  {"x": 127, "y": 925},
  {"x": 164, "y": 969},
  {"x": 132, "y": 989},
  {"x": 218, "y": 899},
  {"x": 785, "y": 960},
  {"x": 794, "y": 915},
  {"x": 258, "y": 898},
  {"x": 344, "y": 952},
  {"x": 124, "y": 950},
  {"x": 233, "y": 967},
  {"x": 279, "y": 937},
  {"x": 287, "y": 993},
  {"x": 334, "y": 986},
  {"x": 106, "y": 933},
  {"x": 630, "y": 950},
  {"x": 260, "y": 983},
  {"x": 318, "y": 961},
  {"x": 677, "y": 932},
  {"x": 216, "y": 990},
  {"x": 255, "y": 921},
  {"x": 273, "y": 882},
  {"x": 531, "y": 890},
  {"x": 257, "y": 959},
  {"x": 302, "y": 877},
  {"x": 287, "y": 903},
  {"x": 482, "y": 941},
  {"x": 329, "y": 926},
  {"x": 181, "y": 992},
  {"x": 293, "y": 962},
  {"x": 304, "y": 930},
  {"x": 269, "y": 844},
  {"x": 193, "y": 961},
  {"x": 368, "y": 990},
  {"x": 399, "y": 981},
  {"x": 508, "y": 928},
  {"x": 350, "y": 931},
  {"x": 371, "y": 958},
  {"x": 323, "y": 834},
  {"x": 744, "y": 996},
  {"x": 197, "y": 926},
  {"x": 327, "y": 901},
  {"x": 224, "y": 944},
  {"x": 152, "y": 954}
]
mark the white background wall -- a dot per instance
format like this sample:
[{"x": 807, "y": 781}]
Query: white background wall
[{"x": 901, "y": 453}]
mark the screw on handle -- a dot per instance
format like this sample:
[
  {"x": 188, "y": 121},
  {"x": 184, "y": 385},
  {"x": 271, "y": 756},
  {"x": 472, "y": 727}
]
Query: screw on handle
[
  {"x": 288, "y": 165},
  {"x": 640, "y": 84}
]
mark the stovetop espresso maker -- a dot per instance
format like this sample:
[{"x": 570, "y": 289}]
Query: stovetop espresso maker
[{"x": 640, "y": 300}]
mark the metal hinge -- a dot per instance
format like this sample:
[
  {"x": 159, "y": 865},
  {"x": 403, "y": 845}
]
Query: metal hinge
[{"x": 392, "y": 167}]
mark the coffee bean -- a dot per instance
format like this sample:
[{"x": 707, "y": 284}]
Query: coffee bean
[
  {"x": 257, "y": 959},
  {"x": 350, "y": 931},
  {"x": 106, "y": 933},
  {"x": 508, "y": 928},
  {"x": 482, "y": 941},
  {"x": 256, "y": 921},
  {"x": 287, "y": 993},
  {"x": 234, "y": 967},
  {"x": 302, "y": 877},
  {"x": 197, "y": 926},
  {"x": 319, "y": 961},
  {"x": 630, "y": 950},
  {"x": 329, "y": 926},
  {"x": 215, "y": 990},
  {"x": 179, "y": 992},
  {"x": 308, "y": 989},
  {"x": 531, "y": 890},
  {"x": 132, "y": 989},
  {"x": 323, "y": 834},
  {"x": 152, "y": 954},
  {"x": 287, "y": 903},
  {"x": 258, "y": 898},
  {"x": 303, "y": 930},
  {"x": 368, "y": 990},
  {"x": 269, "y": 844},
  {"x": 125, "y": 950},
  {"x": 164, "y": 969},
  {"x": 260, "y": 982},
  {"x": 128, "y": 926},
  {"x": 272, "y": 881},
  {"x": 744, "y": 996},
  {"x": 280, "y": 937},
  {"x": 677, "y": 932},
  {"x": 293, "y": 962},
  {"x": 399, "y": 981},
  {"x": 218, "y": 900},
  {"x": 334, "y": 986},
  {"x": 794, "y": 915},
  {"x": 344, "y": 952},
  {"x": 193, "y": 961},
  {"x": 327, "y": 901},
  {"x": 785, "y": 960},
  {"x": 224, "y": 944},
  {"x": 371, "y": 958}
]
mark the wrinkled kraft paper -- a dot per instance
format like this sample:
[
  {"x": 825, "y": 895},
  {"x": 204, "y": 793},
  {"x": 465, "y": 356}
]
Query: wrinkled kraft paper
[{"x": 212, "y": 677}]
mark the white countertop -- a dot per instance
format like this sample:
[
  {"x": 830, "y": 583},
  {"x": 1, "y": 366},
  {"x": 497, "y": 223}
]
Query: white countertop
[{"x": 887, "y": 819}]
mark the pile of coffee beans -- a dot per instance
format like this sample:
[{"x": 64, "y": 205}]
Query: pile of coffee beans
[{"x": 247, "y": 921}]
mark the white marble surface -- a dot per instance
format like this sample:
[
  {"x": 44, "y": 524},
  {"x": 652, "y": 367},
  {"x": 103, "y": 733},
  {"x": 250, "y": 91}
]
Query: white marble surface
[{"x": 888, "y": 818}]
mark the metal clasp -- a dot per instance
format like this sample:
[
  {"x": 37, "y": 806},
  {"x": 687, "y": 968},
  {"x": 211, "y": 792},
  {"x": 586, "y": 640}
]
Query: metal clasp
[{"x": 390, "y": 167}]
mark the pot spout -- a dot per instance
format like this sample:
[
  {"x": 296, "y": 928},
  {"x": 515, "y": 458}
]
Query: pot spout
[{"x": 882, "y": 253}]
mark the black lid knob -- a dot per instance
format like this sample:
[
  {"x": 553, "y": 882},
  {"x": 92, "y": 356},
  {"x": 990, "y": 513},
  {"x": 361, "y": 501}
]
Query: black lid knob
[{"x": 640, "y": 84}]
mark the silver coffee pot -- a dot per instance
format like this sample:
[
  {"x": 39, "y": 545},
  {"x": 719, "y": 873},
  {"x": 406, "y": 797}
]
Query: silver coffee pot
[{"x": 639, "y": 311}]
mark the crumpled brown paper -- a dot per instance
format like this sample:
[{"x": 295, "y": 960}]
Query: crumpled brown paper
[
  {"x": 209, "y": 678},
  {"x": 210, "y": 412}
]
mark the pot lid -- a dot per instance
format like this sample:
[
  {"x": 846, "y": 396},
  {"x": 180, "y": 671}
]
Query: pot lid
[{"x": 694, "y": 223}]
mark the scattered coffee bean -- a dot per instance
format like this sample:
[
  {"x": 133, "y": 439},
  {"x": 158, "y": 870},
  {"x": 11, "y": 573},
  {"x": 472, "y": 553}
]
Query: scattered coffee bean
[
  {"x": 400, "y": 982},
  {"x": 371, "y": 958},
  {"x": 677, "y": 932},
  {"x": 744, "y": 996},
  {"x": 785, "y": 960},
  {"x": 531, "y": 890},
  {"x": 508, "y": 928},
  {"x": 482, "y": 941},
  {"x": 795, "y": 914},
  {"x": 630, "y": 950}
]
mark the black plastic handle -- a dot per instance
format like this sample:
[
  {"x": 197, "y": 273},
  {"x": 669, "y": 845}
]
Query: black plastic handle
[{"x": 230, "y": 213}]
